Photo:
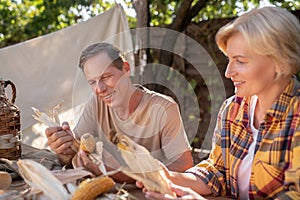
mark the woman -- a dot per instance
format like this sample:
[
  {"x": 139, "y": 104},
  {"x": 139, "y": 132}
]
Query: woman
[{"x": 256, "y": 144}]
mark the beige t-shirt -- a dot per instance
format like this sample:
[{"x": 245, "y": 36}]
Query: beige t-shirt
[{"x": 156, "y": 124}]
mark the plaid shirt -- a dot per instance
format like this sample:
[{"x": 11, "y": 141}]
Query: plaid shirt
[{"x": 276, "y": 163}]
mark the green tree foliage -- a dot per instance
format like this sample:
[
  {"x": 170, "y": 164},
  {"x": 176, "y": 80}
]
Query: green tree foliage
[
  {"x": 24, "y": 19},
  {"x": 163, "y": 12},
  {"x": 21, "y": 20}
]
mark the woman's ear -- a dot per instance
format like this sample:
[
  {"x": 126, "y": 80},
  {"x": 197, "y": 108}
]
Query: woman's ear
[{"x": 279, "y": 70}]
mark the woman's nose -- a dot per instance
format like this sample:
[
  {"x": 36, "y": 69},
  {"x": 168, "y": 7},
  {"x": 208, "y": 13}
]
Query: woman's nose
[{"x": 230, "y": 72}]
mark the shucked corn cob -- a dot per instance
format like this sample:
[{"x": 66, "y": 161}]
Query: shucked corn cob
[
  {"x": 87, "y": 143},
  {"x": 89, "y": 189}
]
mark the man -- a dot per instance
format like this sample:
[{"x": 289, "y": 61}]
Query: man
[{"x": 148, "y": 118}]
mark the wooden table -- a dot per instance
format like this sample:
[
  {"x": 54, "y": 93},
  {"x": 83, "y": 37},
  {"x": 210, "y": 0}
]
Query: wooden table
[
  {"x": 136, "y": 192},
  {"x": 19, "y": 186}
]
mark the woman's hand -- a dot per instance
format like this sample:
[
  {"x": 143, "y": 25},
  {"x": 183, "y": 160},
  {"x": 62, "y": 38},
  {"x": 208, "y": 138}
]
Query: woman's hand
[{"x": 181, "y": 193}]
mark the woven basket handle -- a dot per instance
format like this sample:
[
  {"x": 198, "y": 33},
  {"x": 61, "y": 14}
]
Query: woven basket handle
[{"x": 13, "y": 87}]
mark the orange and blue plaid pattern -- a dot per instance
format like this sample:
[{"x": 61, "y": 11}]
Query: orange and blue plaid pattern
[{"x": 276, "y": 164}]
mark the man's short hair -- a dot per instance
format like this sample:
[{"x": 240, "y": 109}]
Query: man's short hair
[{"x": 94, "y": 49}]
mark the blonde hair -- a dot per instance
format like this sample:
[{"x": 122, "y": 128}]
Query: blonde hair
[{"x": 269, "y": 31}]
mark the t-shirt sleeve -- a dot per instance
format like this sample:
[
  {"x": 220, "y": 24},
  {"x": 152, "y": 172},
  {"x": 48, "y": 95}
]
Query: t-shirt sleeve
[
  {"x": 87, "y": 122},
  {"x": 173, "y": 136}
]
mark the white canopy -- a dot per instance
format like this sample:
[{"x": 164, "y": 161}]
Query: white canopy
[{"x": 45, "y": 69}]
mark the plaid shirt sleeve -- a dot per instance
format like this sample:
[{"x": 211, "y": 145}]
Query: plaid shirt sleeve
[
  {"x": 211, "y": 171},
  {"x": 292, "y": 174}
]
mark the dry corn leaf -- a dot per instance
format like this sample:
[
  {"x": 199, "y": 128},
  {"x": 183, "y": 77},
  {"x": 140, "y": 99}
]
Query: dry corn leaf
[
  {"x": 40, "y": 179},
  {"x": 71, "y": 175},
  {"x": 142, "y": 166},
  {"x": 97, "y": 157},
  {"x": 50, "y": 121},
  {"x": 43, "y": 118},
  {"x": 87, "y": 141},
  {"x": 55, "y": 112}
]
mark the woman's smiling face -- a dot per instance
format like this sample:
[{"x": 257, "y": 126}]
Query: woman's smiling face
[{"x": 251, "y": 73}]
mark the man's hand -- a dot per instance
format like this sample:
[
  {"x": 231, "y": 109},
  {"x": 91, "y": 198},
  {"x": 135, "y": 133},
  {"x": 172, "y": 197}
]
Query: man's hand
[
  {"x": 60, "y": 140},
  {"x": 84, "y": 161}
]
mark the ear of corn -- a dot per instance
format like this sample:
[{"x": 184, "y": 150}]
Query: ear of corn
[
  {"x": 142, "y": 166},
  {"x": 87, "y": 143},
  {"x": 89, "y": 189}
]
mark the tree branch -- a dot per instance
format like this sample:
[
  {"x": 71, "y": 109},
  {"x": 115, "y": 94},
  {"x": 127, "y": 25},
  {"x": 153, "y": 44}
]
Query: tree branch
[
  {"x": 196, "y": 9},
  {"x": 181, "y": 15},
  {"x": 185, "y": 14},
  {"x": 183, "y": 18}
]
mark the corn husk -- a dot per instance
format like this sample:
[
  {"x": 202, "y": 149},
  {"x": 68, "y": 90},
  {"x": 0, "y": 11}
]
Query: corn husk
[
  {"x": 49, "y": 120},
  {"x": 52, "y": 120},
  {"x": 43, "y": 118},
  {"x": 55, "y": 110},
  {"x": 44, "y": 184},
  {"x": 41, "y": 180},
  {"x": 97, "y": 158},
  {"x": 142, "y": 166},
  {"x": 87, "y": 141},
  {"x": 71, "y": 175}
]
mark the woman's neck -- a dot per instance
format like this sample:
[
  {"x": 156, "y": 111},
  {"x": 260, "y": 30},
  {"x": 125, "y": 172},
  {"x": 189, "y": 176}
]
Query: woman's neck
[{"x": 267, "y": 99}]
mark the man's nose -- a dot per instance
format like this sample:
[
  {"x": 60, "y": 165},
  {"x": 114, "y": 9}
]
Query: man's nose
[{"x": 100, "y": 87}]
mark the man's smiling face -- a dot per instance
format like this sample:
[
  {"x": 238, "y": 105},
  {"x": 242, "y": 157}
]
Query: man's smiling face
[{"x": 104, "y": 78}]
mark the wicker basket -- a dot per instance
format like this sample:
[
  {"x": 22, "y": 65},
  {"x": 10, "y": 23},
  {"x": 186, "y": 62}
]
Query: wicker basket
[{"x": 10, "y": 134}]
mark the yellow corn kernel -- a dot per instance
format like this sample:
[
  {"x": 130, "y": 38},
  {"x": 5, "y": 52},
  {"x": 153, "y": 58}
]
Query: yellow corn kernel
[
  {"x": 87, "y": 143},
  {"x": 89, "y": 189}
]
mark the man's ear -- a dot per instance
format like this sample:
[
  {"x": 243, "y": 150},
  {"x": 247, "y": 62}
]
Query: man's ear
[{"x": 126, "y": 67}]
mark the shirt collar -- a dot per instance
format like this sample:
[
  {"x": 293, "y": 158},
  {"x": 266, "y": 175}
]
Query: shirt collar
[
  {"x": 236, "y": 115},
  {"x": 280, "y": 106}
]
